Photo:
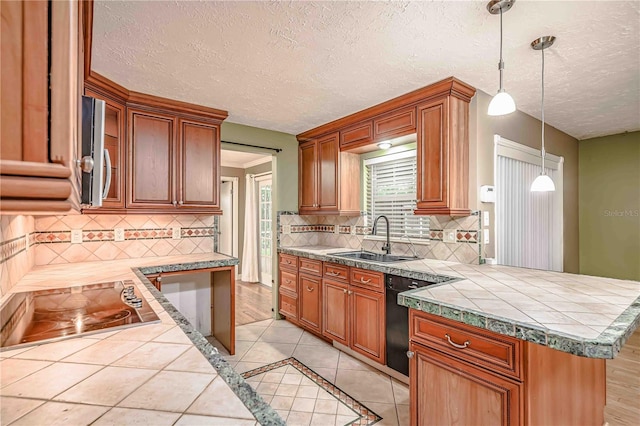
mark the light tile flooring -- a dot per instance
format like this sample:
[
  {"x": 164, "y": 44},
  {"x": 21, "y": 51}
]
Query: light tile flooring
[
  {"x": 148, "y": 375},
  {"x": 269, "y": 341}
]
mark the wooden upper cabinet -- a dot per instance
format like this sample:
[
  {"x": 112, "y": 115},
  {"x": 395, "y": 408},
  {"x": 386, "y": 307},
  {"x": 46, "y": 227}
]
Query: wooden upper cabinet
[
  {"x": 307, "y": 177},
  {"x": 150, "y": 180},
  {"x": 328, "y": 189},
  {"x": 443, "y": 157},
  {"x": 395, "y": 124},
  {"x": 329, "y": 180},
  {"x": 199, "y": 167},
  {"x": 356, "y": 136},
  {"x": 39, "y": 110},
  {"x": 114, "y": 142}
]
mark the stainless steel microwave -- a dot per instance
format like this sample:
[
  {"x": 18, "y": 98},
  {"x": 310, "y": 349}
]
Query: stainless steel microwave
[{"x": 95, "y": 163}]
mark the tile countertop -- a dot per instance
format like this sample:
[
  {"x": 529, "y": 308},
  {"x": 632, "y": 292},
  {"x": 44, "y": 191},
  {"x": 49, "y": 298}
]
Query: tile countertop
[
  {"x": 154, "y": 373},
  {"x": 579, "y": 314}
]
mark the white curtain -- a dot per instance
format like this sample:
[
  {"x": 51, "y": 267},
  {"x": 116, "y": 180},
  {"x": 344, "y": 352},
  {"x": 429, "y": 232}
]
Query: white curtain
[
  {"x": 528, "y": 224},
  {"x": 250, "y": 258}
]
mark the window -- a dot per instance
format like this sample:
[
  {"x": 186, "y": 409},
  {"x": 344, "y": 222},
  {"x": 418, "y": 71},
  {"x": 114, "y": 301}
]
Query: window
[{"x": 390, "y": 183}]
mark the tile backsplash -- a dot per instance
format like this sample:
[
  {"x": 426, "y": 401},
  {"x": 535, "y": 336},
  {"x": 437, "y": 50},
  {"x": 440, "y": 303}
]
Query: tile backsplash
[
  {"x": 16, "y": 249},
  {"x": 336, "y": 231},
  {"x": 108, "y": 237}
]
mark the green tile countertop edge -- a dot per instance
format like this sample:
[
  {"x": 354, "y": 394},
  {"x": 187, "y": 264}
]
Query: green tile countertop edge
[
  {"x": 263, "y": 412},
  {"x": 607, "y": 345}
]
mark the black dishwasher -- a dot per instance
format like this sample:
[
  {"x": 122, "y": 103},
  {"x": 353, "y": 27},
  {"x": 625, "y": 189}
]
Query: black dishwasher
[{"x": 398, "y": 318}]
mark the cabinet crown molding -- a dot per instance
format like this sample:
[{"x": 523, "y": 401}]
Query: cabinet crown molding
[{"x": 450, "y": 86}]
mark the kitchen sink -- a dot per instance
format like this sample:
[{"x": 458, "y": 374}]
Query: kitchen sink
[{"x": 374, "y": 257}]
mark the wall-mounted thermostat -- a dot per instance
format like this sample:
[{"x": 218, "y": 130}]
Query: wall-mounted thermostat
[{"x": 488, "y": 194}]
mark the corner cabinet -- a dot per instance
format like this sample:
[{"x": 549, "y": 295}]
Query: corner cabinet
[
  {"x": 328, "y": 180},
  {"x": 39, "y": 103}
]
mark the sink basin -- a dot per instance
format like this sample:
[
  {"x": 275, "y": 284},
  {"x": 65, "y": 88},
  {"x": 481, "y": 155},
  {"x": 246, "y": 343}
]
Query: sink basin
[{"x": 374, "y": 257}]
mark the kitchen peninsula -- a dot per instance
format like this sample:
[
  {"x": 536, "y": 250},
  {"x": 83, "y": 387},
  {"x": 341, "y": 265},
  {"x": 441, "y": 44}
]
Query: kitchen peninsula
[
  {"x": 157, "y": 373},
  {"x": 513, "y": 340}
]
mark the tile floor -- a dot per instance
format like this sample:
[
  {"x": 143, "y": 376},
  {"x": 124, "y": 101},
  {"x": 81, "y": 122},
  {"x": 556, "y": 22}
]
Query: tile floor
[{"x": 266, "y": 342}]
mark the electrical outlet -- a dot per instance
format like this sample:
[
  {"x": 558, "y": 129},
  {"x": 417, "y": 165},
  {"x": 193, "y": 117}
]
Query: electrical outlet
[
  {"x": 485, "y": 236},
  {"x": 76, "y": 236},
  {"x": 175, "y": 233},
  {"x": 485, "y": 219},
  {"x": 118, "y": 234},
  {"x": 449, "y": 236}
]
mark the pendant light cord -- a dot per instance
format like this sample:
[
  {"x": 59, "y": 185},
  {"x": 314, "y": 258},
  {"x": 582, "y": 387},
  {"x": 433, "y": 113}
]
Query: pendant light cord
[
  {"x": 501, "y": 63},
  {"x": 542, "y": 108}
]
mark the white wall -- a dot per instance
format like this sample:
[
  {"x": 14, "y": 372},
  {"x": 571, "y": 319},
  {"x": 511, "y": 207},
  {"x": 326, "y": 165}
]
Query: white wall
[{"x": 191, "y": 295}]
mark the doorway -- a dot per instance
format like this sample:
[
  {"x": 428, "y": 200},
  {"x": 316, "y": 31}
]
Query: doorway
[{"x": 228, "y": 229}]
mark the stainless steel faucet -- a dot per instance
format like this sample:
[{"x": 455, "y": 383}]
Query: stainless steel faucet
[{"x": 387, "y": 247}]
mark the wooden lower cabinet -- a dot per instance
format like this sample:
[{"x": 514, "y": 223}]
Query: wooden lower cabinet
[
  {"x": 310, "y": 295},
  {"x": 367, "y": 317},
  {"x": 335, "y": 324},
  {"x": 446, "y": 391},
  {"x": 288, "y": 305}
]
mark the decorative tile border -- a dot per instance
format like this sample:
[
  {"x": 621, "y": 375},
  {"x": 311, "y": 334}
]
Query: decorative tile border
[
  {"x": 366, "y": 416},
  {"x": 12, "y": 248},
  {"x": 92, "y": 235},
  {"x": 296, "y": 229},
  {"x": 470, "y": 236}
]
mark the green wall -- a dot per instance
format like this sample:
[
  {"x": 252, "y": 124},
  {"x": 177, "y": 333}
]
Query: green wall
[
  {"x": 609, "y": 199},
  {"x": 286, "y": 162}
]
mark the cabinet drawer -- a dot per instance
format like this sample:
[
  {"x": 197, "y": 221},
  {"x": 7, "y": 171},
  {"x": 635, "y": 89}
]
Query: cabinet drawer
[
  {"x": 313, "y": 267},
  {"x": 336, "y": 272},
  {"x": 367, "y": 279},
  {"x": 477, "y": 346},
  {"x": 289, "y": 280},
  {"x": 357, "y": 135},
  {"x": 289, "y": 305},
  {"x": 394, "y": 124},
  {"x": 288, "y": 261}
]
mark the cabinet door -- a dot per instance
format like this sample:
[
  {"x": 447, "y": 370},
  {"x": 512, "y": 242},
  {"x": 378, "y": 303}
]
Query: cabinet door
[
  {"x": 432, "y": 155},
  {"x": 199, "y": 167},
  {"x": 335, "y": 311},
  {"x": 309, "y": 294},
  {"x": 397, "y": 123},
  {"x": 151, "y": 160},
  {"x": 367, "y": 323},
  {"x": 446, "y": 391},
  {"x": 307, "y": 176},
  {"x": 328, "y": 189},
  {"x": 114, "y": 128}
]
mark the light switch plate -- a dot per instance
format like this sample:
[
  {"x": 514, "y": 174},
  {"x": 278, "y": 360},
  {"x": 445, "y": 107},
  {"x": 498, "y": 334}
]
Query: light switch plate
[
  {"x": 175, "y": 233},
  {"x": 118, "y": 234},
  {"x": 485, "y": 219},
  {"x": 485, "y": 236},
  {"x": 76, "y": 236},
  {"x": 449, "y": 236}
]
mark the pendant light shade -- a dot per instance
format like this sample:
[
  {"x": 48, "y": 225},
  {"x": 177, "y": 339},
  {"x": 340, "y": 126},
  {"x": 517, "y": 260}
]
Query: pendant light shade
[
  {"x": 543, "y": 183},
  {"x": 502, "y": 103}
]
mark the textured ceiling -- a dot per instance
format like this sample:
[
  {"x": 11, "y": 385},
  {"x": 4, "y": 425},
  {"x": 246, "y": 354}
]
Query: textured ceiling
[{"x": 291, "y": 66}]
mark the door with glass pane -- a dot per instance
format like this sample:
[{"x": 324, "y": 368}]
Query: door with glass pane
[{"x": 266, "y": 250}]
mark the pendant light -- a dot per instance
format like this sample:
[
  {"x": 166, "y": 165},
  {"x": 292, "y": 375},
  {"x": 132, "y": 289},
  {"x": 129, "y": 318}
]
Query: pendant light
[
  {"x": 502, "y": 103},
  {"x": 543, "y": 183}
]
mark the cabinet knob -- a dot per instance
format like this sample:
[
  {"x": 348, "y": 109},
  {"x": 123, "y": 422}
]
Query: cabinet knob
[
  {"x": 344, "y": 290},
  {"x": 85, "y": 163},
  {"x": 180, "y": 202},
  {"x": 410, "y": 354},
  {"x": 350, "y": 292},
  {"x": 175, "y": 203}
]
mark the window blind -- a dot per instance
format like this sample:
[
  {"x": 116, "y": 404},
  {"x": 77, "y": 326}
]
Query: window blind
[{"x": 390, "y": 183}]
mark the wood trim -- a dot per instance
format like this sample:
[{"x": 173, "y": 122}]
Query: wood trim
[
  {"x": 31, "y": 206},
  {"x": 450, "y": 86},
  {"x": 25, "y": 168},
  {"x": 142, "y": 100},
  {"x": 87, "y": 35},
  {"x": 31, "y": 187},
  {"x": 150, "y": 210},
  {"x": 394, "y": 124},
  {"x": 103, "y": 85},
  {"x": 358, "y": 135}
]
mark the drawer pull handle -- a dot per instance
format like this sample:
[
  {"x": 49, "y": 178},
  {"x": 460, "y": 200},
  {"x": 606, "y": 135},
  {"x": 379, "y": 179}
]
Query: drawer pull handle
[
  {"x": 333, "y": 274},
  {"x": 363, "y": 281},
  {"x": 456, "y": 345},
  {"x": 288, "y": 281},
  {"x": 309, "y": 288},
  {"x": 288, "y": 261}
]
